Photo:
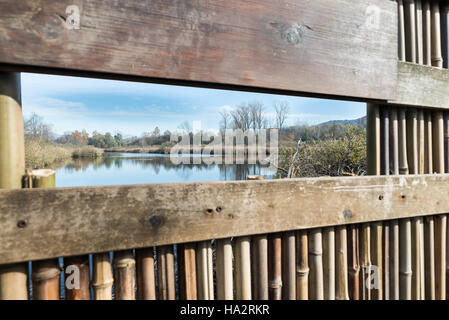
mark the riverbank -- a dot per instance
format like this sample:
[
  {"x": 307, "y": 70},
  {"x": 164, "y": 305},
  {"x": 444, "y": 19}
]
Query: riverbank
[{"x": 43, "y": 154}]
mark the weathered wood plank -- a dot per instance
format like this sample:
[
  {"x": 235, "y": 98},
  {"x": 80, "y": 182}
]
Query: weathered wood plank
[
  {"x": 46, "y": 223},
  {"x": 422, "y": 86},
  {"x": 342, "y": 48}
]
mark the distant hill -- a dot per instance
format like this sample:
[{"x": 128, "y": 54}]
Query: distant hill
[{"x": 361, "y": 122}]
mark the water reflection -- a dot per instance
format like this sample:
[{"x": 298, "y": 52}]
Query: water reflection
[{"x": 116, "y": 169}]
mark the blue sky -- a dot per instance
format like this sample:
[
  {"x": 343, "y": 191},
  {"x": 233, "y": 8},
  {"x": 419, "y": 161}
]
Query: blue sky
[{"x": 71, "y": 103}]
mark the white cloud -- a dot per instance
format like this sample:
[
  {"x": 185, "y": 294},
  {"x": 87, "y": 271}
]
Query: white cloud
[{"x": 46, "y": 106}]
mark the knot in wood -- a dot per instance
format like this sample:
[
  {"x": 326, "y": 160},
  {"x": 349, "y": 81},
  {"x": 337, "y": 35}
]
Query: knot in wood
[{"x": 155, "y": 221}]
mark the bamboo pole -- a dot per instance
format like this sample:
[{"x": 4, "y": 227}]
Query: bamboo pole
[
  {"x": 316, "y": 287},
  {"x": 438, "y": 141},
  {"x": 446, "y": 142},
  {"x": 428, "y": 141},
  {"x": 146, "y": 281},
  {"x": 224, "y": 270},
  {"x": 421, "y": 139},
  {"x": 302, "y": 266},
  {"x": 166, "y": 272},
  {"x": 289, "y": 266},
  {"x": 329, "y": 263},
  {"x": 260, "y": 263},
  {"x": 394, "y": 141},
  {"x": 354, "y": 263},
  {"x": 419, "y": 32},
  {"x": 402, "y": 140},
  {"x": 341, "y": 264},
  {"x": 13, "y": 278},
  {"x": 427, "y": 37},
  {"x": 401, "y": 30},
  {"x": 440, "y": 256},
  {"x": 385, "y": 140},
  {"x": 376, "y": 258},
  {"x": 416, "y": 258},
  {"x": 410, "y": 28},
  {"x": 366, "y": 266},
  {"x": 394, "y": 260},
  {"x": 386, "y": 261},
  {"x": 243, "y": 268},
  {"x": 80, "y": 263},
  {"x": 187, "y": 271},
  {"x": 412, "y": 141},
  {"x": 373, "y": 138},
  {"x": 102, "y": 276},
  {"x": 124, "y": 271},
  {"x": 429, "y": 251},
  {"x": 405, "y": 260},
  {"x": 275, "y": 266},
  {"x": 445, "y": 32},
  {"x": 45, "y": 273},
  {"x": 437, "y": 59}
]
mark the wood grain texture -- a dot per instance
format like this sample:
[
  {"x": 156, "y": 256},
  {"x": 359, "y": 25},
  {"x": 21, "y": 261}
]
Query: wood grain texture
[
  {"x": 75, "y": 221},
  {"x": 422, "y": 86},
  {"x": 340, "y": 47}
]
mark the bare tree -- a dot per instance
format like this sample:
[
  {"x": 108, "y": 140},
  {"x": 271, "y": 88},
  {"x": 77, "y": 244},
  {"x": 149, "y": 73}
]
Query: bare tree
[
  {"x": 225, "y": 120},
  {"x": 241, "y": 118},
  {"x": 281, "y": 109},
  {"x": 35, "y": 127},
  {"x": 256, "y": 115}
]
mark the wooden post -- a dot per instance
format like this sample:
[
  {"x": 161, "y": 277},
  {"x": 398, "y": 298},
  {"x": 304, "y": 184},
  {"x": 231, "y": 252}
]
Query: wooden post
[
  {"x": 302, "y": 266},
  {"x": 288, "y": 266},
  {"x": 102, "y": 279},
  {"x": 124, "y": 271},
  {"x": 316, "y": 286},
  {"x": 354, "y": 263},
  {"x": 225, "y": 289},
  {"x": 341, "y": 264},
  {"x": 13, "y": 278},
  {"x": 45, "y": 273},
  {"x": 80, "y": 263},
  {"x": 437, "y": 59},
  {"x": 329, "y": 263},
  {"x": 275, "y": 266}
]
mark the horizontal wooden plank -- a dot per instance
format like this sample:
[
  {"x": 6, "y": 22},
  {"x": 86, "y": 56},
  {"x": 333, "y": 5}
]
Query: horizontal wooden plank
[
  {"x": 45, "y": 223},
  {"x": 422, "y": 86},
  {"x": 341, "y": 48}
]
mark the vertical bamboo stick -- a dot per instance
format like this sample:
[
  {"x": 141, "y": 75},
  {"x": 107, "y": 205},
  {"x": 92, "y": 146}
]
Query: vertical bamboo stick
[
  {"x": 329, "y": 263},
  {"x": 403, "y": 165},
  {"x": 204, "y": 267},
  {"x": 429, "y": 251},
  {"x": 102, "y": 276},
  {"x": 428, "y": 141},
  {"x": 440, "y": 256},
  {"x": 376, "y": 258},
  {"x": 416, "y": 258},
  {"x": 124, "y": 271},
  {"x": 437, "y": 59},
  {"x": 316, "y": 287},
  {"x": 365, "y": 255},
  {"x": 373, "y": 138},
  {"x": 445, "y": 32},
  {"x": 386, "y": 261},
  {"x": 341, "y": 264},
  {"x": 385, "y": 140},
  {"x": 187, "y": 271},
  {"x": 146, "y": 281},
  {"x": 82, "y": 292},
  {"x": 354, "y": 263},
  {"x": 260, "y": 245},
  {"x": 45, "y": 274},
  {"x": 412, "y": 141},
  {"x": 422, "y": 260},
  {"x": 13, "y": 278},
  {"x": 243, "y": 268},
  {"x": 427, "y": 37},
  {"x": 419, "y": 32},
  {"x": 401, "y": 30},
  {"x": 224, "y": 270},
  {"x": 421, "y": 139},
  {"x": 438, "y": 141},
  {"x": 394, "y": 260},
  {"x": 302, "y": 266},
  {"x": 446, "y": 142},
  {"x": 161, "y": 256},
  {"x": 405, "y": 259},
  {"x": 410, "y": 34},
  {"x": 274, "y": 267},
  {"x": 394, "y": 141},
  {"x": 289, "y": 266}
]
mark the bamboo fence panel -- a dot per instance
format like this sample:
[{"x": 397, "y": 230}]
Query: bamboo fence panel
[
  {"x": 427, "y": 37},
  {"x": 259, "y": 265},
  {"x": 419, "y": 32},
  {"x": 437, "y": 58},
  {"x": 341, "y": 264},
  {"x": 354, "y": 263},
  {"x": 394, "y": 260},
  {"x": 410, "y": 30},
  {"x": 166, "y": 272}
]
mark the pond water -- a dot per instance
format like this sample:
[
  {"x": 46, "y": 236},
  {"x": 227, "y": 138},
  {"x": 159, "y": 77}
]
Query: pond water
[{"x": 144, "y": 168}]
